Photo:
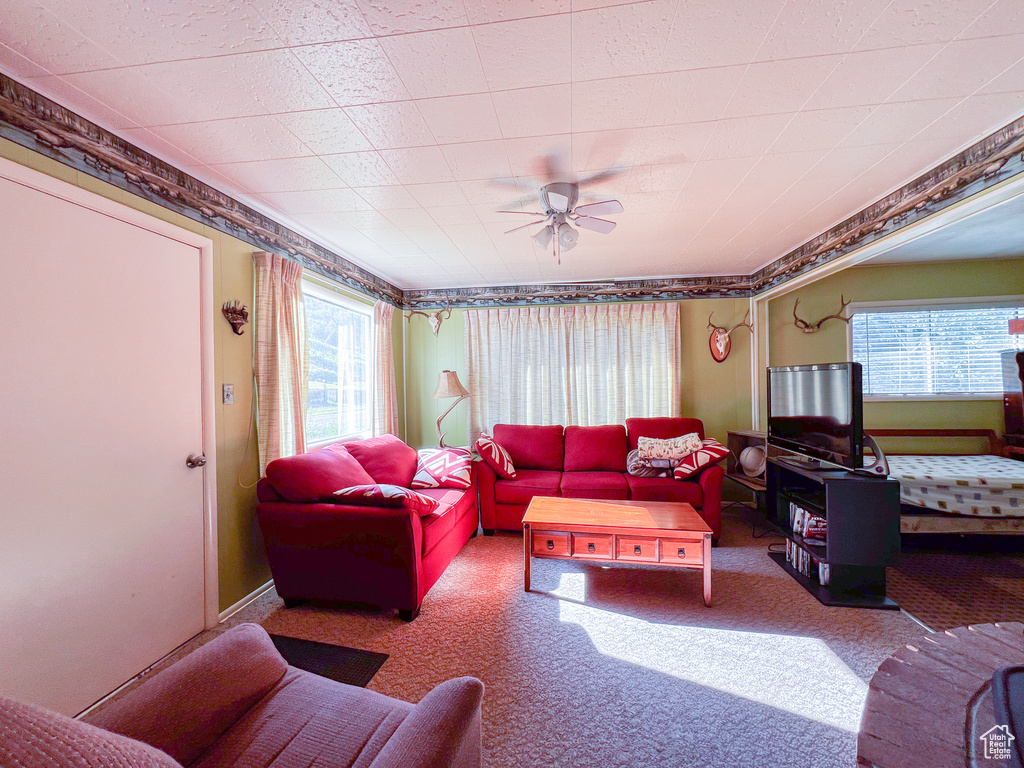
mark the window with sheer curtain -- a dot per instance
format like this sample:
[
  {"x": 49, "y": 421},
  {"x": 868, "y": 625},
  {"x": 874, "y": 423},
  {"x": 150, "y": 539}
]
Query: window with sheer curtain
[
  {"x": 339, "y": 337},
  {"x": 584, "y": 364}
]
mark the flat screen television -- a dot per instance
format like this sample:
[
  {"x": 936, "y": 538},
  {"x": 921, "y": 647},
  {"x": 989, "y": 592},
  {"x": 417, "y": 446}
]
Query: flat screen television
[{"x": 817, "y": 411}]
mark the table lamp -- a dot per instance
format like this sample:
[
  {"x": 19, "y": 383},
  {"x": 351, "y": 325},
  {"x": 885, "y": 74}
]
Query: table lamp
[{"x": 448, "y": 385}]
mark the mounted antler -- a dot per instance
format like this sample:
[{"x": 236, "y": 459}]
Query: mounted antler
[
  {"x": 434, "y": 318},
  {"x": 720, "y": 342},
  {"x": 806, "y": 327}
]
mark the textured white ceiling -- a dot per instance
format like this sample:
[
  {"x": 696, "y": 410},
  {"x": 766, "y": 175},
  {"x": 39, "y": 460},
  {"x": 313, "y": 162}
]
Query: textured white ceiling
[{"x": 391, "y": 132}]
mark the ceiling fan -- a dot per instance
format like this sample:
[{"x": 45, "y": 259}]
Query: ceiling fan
[{"x": 558, "y": 201}]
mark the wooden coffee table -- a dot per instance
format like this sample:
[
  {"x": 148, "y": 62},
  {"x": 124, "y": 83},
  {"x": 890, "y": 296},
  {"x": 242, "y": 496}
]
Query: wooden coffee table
[{"x": 636, "y": 532}]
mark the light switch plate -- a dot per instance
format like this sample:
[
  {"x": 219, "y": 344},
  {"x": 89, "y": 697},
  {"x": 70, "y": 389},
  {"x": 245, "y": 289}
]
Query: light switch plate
[{"x": 229, "y": 394}]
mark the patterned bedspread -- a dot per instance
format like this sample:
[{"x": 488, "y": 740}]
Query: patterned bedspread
[{"x": 982, "y": 486}]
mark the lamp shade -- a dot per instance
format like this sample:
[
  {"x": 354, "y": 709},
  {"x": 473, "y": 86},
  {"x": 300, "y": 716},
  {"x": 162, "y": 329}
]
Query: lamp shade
[
  {"x": 448, "y": 385},
  {"x": 543, "y": 237},
  {"x": 567, "y": 236}
]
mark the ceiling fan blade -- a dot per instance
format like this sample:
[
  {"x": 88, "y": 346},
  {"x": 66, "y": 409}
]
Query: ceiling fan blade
[
  {"x": 516, "y": 229},
  {"x": 597, "y": 225},
  {"x": 528, "y": 213},
  {"x": 610, "y": 173},
  {"x": 558, "y": 201},
  {"x": 551, "y": 167},
  {"x": 603, "y": 208}
]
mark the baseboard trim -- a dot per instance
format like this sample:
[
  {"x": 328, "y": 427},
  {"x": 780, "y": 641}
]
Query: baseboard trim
[{"x": 225, "y": 615}]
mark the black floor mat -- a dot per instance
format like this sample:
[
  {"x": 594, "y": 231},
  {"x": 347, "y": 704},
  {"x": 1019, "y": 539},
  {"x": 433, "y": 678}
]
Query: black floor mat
[{"x": 346, "y": 665}]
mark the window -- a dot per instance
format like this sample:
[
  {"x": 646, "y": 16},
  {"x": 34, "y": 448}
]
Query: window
[
  {"x": 339, "y": 342},
  {"x": 933, "y": 350},
  {"x": 583, "y": 364}
]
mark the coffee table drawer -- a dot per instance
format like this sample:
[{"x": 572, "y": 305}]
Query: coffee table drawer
[
  {"x": 637, "y": 548},
  {"x": 596, "y": 545},
  {"x": 685, "y": 551},
  {"x": 550, "y": 543}
]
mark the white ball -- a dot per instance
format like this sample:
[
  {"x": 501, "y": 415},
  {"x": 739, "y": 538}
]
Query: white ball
[{"x": 752, "y": 461}]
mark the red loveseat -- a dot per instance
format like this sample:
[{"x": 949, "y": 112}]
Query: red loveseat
[
  {"x": 383, "y": 556},
  {"x": 589, "y": 463}
]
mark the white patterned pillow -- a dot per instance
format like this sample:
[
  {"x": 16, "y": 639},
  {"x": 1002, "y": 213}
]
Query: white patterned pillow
[
  {"x": 674, "y": 448},
  {"x": 443, "y": 468}
]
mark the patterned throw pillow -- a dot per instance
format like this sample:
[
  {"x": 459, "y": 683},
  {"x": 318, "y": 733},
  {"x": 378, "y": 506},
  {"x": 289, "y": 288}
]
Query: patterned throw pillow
[
  {"x": 387, "y": 496},
  {"x": 443, "y": 468},
  {"x": 638, "y": 467},
  {"x": 674, "y": 448},
  {"x": 711, "y": 452},
  {"x": 496, "y": 456}
]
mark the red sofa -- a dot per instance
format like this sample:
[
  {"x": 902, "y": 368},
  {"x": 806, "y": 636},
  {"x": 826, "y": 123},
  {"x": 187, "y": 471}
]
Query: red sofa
[
  {"x": 589, "y": 463},
  {"x": 383, "y": 556}
]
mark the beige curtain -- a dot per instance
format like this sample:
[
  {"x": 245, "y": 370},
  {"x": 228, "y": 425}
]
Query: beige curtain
[
  {"x": 280, "y": 357},
  {"x": 583, "y": 364},
  {"x": 385, "y": 402}
]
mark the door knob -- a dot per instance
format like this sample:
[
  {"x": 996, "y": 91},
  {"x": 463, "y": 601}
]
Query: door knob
[{"x": 195, "y": 460}]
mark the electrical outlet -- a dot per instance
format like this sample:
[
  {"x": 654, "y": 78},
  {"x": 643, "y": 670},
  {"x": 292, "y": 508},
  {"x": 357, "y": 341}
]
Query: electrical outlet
[{"x": 229, "y": 394}]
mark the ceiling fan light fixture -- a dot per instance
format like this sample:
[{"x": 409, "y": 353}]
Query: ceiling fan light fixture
[
  {"x": 567, "y": 236},
  {"x": 543, "y": 237},
  {"x": 558, "y": 207}
]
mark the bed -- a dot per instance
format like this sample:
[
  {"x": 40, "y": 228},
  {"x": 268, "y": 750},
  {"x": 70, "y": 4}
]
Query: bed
[{"x": 955, "y": 492}]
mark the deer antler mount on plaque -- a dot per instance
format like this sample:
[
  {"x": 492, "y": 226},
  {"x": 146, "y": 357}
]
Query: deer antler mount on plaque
[{"x": 720, "y": 342}]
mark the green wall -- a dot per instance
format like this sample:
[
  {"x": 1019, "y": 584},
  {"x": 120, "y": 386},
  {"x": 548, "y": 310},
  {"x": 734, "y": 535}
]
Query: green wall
[
  {"x": 241, "y": 558},
  {"x": 788, "y": 345},
  {"x": 717, "y": 393},
  {"x": 426, "y": 356}
]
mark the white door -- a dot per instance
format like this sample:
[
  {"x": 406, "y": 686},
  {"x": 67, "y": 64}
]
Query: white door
[{"x": 101, "y": 522}]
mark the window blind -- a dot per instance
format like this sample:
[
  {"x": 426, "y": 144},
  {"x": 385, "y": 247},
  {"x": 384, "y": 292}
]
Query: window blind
[{"x": 934, "y": 351}]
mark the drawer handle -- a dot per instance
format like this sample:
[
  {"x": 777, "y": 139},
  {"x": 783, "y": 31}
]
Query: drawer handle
[
  {"x": 591, "y": 547},
  {"x": 636, "y": 550},
  {"x": 551, "y": 544},
  {"x": 682, "y": 552}
]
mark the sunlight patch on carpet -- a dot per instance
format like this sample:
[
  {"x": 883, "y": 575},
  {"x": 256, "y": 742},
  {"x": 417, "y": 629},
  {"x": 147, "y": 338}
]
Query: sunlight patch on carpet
[
  {"x": 571, "y": 586},
  {"x": 800, "y": 675}
]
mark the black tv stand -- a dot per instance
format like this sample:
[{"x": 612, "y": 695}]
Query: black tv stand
[
  {"x": 806, "y": 462},
  {"x": 863, "y": 514}
]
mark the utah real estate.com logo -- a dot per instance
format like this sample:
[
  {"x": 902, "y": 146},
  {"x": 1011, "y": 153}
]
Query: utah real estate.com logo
[{"x": 997, "y": 741}]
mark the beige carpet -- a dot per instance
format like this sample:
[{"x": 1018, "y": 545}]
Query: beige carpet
[{"x": 625, "y": 666}]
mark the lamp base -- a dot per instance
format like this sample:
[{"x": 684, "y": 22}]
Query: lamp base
[{"x": 440, "y": 434}]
